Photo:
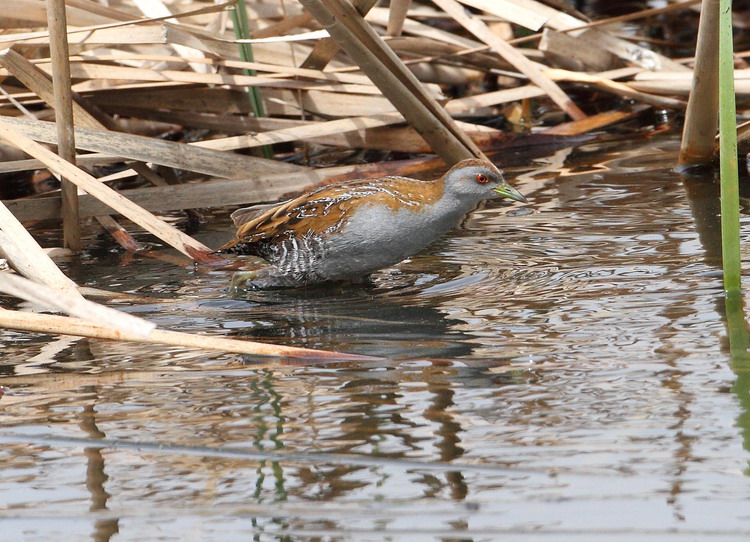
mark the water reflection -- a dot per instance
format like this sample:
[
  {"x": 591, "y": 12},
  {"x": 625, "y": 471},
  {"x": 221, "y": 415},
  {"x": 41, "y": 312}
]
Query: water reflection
[
  {"x": 96, "y": 476},
  {"x": 576, "y": 344},
  {"x": 738, "y": 338},
  {"x": 378, "y": 325},
  {"x": 703, "y": 194}
]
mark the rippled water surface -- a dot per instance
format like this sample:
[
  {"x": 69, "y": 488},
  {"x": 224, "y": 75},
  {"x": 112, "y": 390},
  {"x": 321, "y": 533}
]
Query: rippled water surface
[{"x": 553, "y": 371}]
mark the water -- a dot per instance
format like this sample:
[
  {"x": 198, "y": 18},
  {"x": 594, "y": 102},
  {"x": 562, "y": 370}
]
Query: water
[{"x": 556, "y": 371}]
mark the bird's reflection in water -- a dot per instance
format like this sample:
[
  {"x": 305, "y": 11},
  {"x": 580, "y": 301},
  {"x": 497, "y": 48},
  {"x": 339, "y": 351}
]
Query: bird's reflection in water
[{"x": 354, "y": 318}]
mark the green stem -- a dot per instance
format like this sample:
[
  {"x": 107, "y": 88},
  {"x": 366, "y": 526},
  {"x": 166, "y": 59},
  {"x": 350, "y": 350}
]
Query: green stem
[
  {"x": 730, "y": 206},
  {"x": 242, "y": 31}
]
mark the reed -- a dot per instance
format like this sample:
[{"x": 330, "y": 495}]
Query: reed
[
  {"x": 67, "y": 325},
  {"x": 56, "y": 20},
  {"x": 699, "y": 132},
  {"x": 730, "y": 205},
  {"x": 131, "y": 82},
  {"x": 242, "y": 32}
]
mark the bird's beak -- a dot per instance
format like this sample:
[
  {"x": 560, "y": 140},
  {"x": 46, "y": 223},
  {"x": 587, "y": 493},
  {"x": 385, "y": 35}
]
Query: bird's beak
[{"x": 507, "y": 191}]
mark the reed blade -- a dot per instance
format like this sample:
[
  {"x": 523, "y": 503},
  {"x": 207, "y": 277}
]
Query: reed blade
[{"x": 730, "y": 206}]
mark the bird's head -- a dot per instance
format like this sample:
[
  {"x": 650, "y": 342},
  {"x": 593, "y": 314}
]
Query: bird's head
[{"x": 478, "y": 180}]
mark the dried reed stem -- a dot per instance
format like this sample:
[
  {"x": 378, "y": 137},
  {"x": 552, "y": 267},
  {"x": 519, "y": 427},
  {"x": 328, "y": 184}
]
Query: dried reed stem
[
  {"x": 73, "y": 304},
  {"x": 64, "y": 325},
  {"x": 390, "y": 74},
  {"x": 512, "y": 55},
  {"x": 396, "y": 17},
  {"x": 56, "y": 21},
  {"x": 38, "y": 82},
  {"x": 702, "y": 115},
  {"x": 27, "y": 257},
  {"x": 174, "y": 237}
]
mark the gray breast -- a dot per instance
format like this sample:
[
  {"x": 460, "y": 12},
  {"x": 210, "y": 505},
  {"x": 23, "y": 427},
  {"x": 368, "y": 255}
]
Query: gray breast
[
  {"x": 372, "y": 237},
  {"x": 377, "y": 236}
]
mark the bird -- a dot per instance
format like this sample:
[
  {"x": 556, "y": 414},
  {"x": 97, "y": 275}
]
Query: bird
[{"x": 344, "y": 232}]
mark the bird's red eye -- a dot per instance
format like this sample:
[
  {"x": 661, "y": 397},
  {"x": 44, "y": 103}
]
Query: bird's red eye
[{"x": 482, "y": 178}]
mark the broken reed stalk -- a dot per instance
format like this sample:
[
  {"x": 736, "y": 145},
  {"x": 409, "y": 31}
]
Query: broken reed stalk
[
  {"x": 56, "y": 20},
  {"x": 121, "y": 19},
  {"x": 325, "y": 49},
  {"x": 699, "y": 132},
  {"x": 27, "y": 257},
  {"x": 169, "y": 234},
  {"x": 642, "y": 14},
  {"x": 190, "y": 157},
  {"x": 394, "y": 79},
  {"x": 39, "y": 83},
  {"x": 615, "y": 87},
  {"x": 396, "y": 16},
  {"x": 73, "y": 304},
  {"x": 307, "y": 132},
  {"x": 242, "y": 32},
  {"x": 512, "y": 55},
  {"x": 65, "y": 325},
  {"x": 730, "y": 202},
  {"x": 630, "y": 52}
]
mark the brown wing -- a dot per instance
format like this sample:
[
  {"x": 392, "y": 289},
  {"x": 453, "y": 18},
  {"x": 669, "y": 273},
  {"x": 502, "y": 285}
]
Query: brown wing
[
  {"x": 324, "y": 210},
  {"x": 246, "y": 214}
]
